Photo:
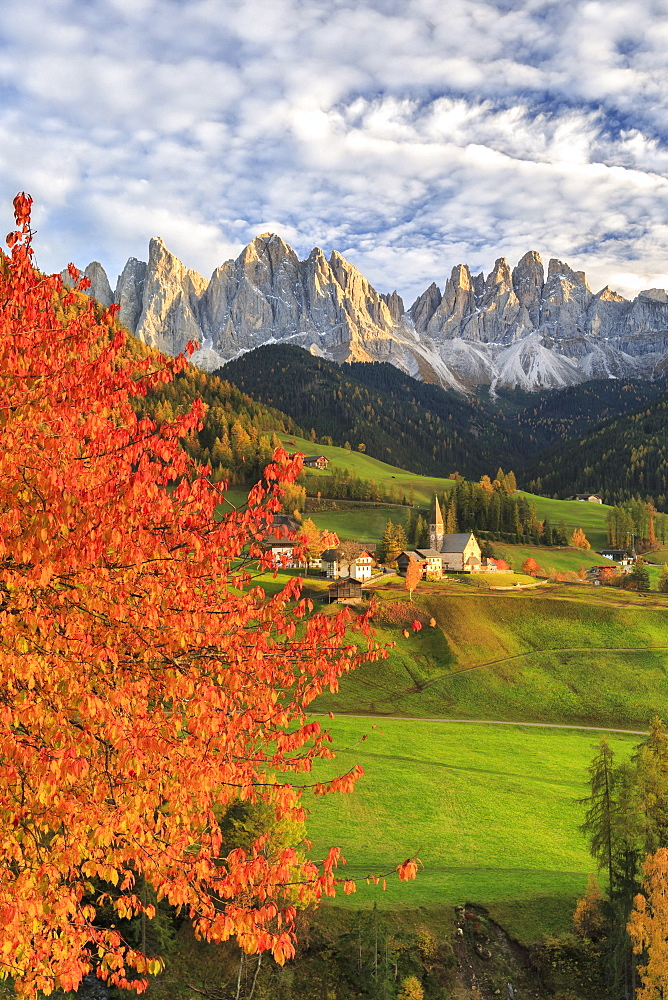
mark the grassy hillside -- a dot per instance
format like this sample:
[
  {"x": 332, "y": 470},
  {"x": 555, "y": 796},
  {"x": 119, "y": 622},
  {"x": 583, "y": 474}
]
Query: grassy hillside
[
  {"x": 588, "y": 516},
  {"x": 490, "y": 811},
  {"x": 562, "y": 654}
]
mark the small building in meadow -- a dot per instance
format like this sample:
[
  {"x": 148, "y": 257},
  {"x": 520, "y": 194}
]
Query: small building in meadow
[
  {"x": 620, "y": 556},
  {"x": 585, "y": 498},
  {"x": 345, "y": 591},
  {"x": 311, "y": 461},
  {"x": 316, "y": 462}
]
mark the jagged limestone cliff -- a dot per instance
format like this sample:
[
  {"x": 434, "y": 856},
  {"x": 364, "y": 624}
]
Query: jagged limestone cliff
[{"x": 512, "y": 327}]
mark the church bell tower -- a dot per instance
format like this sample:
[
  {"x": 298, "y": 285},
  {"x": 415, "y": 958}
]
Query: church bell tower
[{"x": 436, "y": 526}]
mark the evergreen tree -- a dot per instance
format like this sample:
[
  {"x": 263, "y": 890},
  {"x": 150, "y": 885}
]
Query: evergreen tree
[
  {"x": 600, "y": 817},
  {"x": 450, "y": 517},
  {"x": 411, "y": 525},
  {"x": 387, "y": 542},
  {"x": 421, "y": 533},
  {"x": 393, "y": 542},
  {"x": 639, "y": 576}
]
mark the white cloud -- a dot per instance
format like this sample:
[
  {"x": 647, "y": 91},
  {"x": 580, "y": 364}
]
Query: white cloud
[{"x": 411, "y": 136}]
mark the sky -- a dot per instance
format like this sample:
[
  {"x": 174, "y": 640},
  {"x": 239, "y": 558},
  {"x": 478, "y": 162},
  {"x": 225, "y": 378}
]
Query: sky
[{"x": 409, "y": 135}]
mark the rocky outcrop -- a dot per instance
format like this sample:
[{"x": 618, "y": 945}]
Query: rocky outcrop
[
  {"x": 100, "y": 288},
  {"x": 516, "y": 327},
  {"x": 170, "y": 301},
  {"x": 129, "y": 293}
]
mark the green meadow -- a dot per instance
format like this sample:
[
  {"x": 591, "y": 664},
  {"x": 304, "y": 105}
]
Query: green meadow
[
  {"x": 491, "y": 812},
  {"x": 356, "y": 524},
  {"x": 570, "y": 655}
]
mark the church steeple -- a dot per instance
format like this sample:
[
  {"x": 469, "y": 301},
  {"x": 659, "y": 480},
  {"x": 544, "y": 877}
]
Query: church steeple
[{"x": 436, "y": 526}]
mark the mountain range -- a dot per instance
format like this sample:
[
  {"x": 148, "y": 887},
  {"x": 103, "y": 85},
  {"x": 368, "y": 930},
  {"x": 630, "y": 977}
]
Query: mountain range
[{"x": 521, "y": 328}]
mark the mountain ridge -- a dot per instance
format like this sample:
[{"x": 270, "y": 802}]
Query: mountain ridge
[
  {"x": 519, "y": 327},
  {"x": 431, "y": 431}
]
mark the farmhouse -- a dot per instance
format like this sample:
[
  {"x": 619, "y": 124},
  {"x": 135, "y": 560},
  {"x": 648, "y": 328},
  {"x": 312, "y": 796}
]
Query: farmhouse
[
  {"x": 429, "y": 559},
  {"x": 618, "y": 555},
  {"x": 585, "y": 498},
  {"x": 339, "y": 564},
  {"x": 280, "y": 538},
  {"x": 345, "y": 591},
  {"x": 312, "y": 461}
]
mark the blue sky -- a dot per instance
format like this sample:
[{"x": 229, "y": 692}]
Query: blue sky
[{"x": 410, "y": 135}]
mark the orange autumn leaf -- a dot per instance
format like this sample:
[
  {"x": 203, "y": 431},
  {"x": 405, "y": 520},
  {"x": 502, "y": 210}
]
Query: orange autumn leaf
[{"x": 147, "y": 683}]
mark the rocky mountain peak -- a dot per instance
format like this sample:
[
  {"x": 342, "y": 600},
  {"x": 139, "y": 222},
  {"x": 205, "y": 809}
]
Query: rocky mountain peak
[
  {"x": 395, "y": 304},
  {"x": 100, "y": 288},
  {"x": 504, "y": 329},
  {"x": 499, "y": 279},
  {"x": 528, "y": 282},
  {"x": 425, "y": 306},
  {"x": 557, "y": 269},
  {"x": 608, "y": 295},
  {"x": 654, "y": 294}
]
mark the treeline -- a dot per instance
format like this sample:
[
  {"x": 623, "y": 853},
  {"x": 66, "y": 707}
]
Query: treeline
[
  {"x": 239, "y": 435},
  {"x": 626, "y": 820},
  {"x": 625, "y": 458},
  {"x": 495, "y": 511},
  {"x": 411, "y": 424},
  {"x": 546, "y": 419},
  {"x": 636, "y": 523},
  {"x": 606, "y": 435}
]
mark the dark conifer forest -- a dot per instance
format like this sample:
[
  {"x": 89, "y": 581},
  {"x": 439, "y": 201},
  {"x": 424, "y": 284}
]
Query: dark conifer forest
[{"x": 605, "y": 436}]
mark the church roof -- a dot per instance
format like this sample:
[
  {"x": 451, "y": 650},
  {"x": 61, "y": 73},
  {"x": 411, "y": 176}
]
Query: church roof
[{"x": 456, "y": 542}]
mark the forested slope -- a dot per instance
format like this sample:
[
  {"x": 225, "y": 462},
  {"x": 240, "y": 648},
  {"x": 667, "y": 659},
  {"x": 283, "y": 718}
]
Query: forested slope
[
  {"x": 625, "y": 457},
  {"x": 427, "y": 430},
  {"x": 407, "y": 423}
]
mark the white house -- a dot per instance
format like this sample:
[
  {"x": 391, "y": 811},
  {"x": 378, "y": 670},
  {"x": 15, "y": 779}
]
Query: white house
[{"x": 337, "y": 565}]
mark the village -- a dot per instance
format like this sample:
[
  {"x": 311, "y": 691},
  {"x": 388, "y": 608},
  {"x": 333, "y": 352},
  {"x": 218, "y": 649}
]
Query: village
[{"x": 350, "y": 564}]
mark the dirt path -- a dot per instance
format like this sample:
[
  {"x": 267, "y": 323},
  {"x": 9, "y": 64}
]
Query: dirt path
[{"x": 491, "y": 722}]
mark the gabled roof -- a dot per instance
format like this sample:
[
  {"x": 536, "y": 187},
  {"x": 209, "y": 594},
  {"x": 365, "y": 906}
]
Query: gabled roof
[
  {"x": 429, "y": 553},
  {"x": 456, "y": 542},
  {"x": 336, "y": 555},
  {"x": 330, "y": 555},
  {"x": 345, "y": 580}
]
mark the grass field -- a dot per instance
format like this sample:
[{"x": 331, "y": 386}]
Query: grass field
[
  {"x": 489, "y": 810},
  {"x": 560, "y": 654},
  {"x": 588, "y": 516},
  {"x": 561, "y": 560}
]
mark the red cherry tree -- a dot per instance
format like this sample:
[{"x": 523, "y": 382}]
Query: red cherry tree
[{"x": 146, "y": 682}]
